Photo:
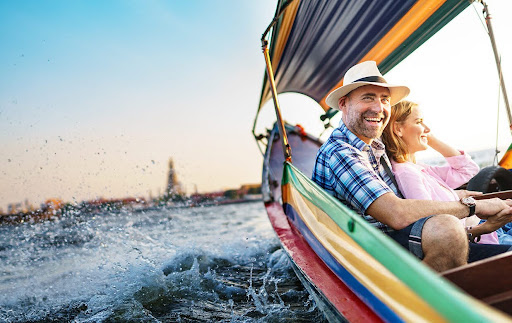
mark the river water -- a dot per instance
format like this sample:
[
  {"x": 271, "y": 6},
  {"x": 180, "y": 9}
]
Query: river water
[{"x": 220, "y": 263}]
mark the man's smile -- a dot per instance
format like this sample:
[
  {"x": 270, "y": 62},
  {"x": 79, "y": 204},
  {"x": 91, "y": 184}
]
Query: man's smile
[{"x": 374, "y": 120}]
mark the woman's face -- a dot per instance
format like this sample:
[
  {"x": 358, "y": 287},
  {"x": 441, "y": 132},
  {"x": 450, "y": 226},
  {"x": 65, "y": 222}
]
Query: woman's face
[{"x": 413, "y": 131}]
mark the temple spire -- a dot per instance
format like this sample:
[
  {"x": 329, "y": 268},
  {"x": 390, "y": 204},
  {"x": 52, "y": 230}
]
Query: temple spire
[{"x": 173, "y": 185}]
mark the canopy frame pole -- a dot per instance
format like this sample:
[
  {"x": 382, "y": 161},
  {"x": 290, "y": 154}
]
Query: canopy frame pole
[
  {"x": 488, "y": 18},
  {"x": 287, "y": 149},
  {"x": 270, "y": 74}
]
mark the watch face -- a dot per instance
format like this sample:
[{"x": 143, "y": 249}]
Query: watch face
[{"x": 469, "y": 201}]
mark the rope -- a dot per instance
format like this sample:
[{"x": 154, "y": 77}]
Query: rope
[
  {"x": 480, "y": 18},
  {"x": 497, "y": 121},
  {"x": 496, "y": 151}
]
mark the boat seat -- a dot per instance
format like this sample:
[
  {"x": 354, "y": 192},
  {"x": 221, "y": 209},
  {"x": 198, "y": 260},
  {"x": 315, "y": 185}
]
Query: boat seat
[
  {"x": 489, "y": 280},
  {"x": 501, "y": 194}
]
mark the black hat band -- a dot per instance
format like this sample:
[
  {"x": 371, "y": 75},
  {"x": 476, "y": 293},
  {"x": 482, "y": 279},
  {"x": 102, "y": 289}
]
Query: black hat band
[{"x": 376, "y": 79}]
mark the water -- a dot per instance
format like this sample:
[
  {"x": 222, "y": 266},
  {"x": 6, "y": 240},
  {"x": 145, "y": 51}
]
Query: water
[{"x": 221, "y": 263}]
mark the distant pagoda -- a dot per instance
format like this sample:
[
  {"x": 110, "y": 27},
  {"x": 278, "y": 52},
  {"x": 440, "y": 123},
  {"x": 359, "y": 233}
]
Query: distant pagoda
[{"x": 173, "y": 185}]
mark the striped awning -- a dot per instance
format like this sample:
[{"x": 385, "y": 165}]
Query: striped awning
[{"x": 316, "y": 41}]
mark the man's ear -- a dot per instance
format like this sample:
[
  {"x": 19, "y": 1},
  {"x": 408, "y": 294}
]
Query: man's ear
[{"x": 342, "y": 103}]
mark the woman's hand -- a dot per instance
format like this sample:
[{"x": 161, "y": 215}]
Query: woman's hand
[
  {"x": 464, "y": 193},
  {"x": 432, "y": 140},
  {"x": 441, "y": 147}
]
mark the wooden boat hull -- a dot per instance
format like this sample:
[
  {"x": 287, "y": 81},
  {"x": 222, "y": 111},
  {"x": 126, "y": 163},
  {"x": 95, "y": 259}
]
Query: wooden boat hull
[{"x": 353, "y": 271}]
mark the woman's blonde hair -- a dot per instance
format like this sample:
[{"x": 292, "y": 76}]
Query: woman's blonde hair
[{"x": 395, "y": 145}]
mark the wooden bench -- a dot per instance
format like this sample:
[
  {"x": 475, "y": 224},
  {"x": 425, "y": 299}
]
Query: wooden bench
[
  {"x": 502, "y": 195},
  {"x": 489, "y": 280}
]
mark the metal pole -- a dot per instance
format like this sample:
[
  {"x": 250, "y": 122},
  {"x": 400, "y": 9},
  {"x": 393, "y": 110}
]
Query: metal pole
[
  {"x": 282, "y": 132},
  {"x": 488, "y": 18}
]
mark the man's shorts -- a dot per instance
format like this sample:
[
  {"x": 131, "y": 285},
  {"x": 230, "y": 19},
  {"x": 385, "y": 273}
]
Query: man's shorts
[{"x": 410, "y": 238}]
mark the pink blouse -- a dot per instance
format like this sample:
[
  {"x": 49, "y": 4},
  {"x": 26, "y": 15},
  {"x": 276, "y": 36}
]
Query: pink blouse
[{"x": 437, "y": 183}]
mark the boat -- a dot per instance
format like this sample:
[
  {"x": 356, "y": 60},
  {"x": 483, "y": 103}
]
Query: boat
[{"x": 353, "y": 271}]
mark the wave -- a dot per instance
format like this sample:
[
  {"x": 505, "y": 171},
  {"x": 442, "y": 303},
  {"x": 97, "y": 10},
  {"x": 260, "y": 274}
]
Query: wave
[{"x": 210, "y": 264}]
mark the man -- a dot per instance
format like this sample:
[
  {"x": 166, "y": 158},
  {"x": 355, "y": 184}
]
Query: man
[{"x": 352, "y": 166}]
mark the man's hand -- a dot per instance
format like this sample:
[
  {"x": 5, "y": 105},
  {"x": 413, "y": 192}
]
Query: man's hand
[
  {"x": 493, "y": 223},
  {"x": 491, "y": 207},
  {"x": 500, "y": 219},
  {"x": 463, "y": 193}
]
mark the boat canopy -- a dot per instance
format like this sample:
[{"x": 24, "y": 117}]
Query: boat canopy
[{"x": 315, "y": 42}]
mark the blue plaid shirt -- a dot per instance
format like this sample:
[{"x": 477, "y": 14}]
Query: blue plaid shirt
[{"x": 350, "y": 170}]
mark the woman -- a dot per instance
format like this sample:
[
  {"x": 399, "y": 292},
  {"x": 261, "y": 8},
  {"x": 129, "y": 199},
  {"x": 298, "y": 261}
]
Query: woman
[{"x": 405, "y": 135}]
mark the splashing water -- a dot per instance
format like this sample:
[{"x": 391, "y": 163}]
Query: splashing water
[{"x": 219, "y": 263}]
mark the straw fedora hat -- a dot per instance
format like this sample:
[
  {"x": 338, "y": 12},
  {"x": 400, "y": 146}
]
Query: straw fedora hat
[{"x": 365, "y": 73}]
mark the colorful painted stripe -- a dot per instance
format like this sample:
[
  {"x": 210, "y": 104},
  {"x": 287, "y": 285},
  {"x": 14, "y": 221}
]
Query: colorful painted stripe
[
  {"x": 506, "y": 160},
  {"x": 380, "y": 308},
  {"x": 372, "y": 282},
  {"x": 379, "y": 265},
  {"x": 318, "y": 275}
]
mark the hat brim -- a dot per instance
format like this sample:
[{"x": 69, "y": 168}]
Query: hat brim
[{"x": 397, "y": 92}]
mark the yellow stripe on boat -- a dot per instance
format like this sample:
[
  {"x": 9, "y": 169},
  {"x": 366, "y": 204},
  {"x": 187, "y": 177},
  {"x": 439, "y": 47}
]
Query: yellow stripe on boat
[
  {"x": 368, "y": 271},
  {"x": 342, "y": 230}
]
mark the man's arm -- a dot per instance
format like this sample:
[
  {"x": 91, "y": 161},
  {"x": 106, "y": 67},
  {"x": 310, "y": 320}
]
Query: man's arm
[
  {"x": 366, "y": 191},
  {"x": 399, "y": 213}
]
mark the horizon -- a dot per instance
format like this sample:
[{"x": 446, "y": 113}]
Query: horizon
[{"x": 96, "y": 97}]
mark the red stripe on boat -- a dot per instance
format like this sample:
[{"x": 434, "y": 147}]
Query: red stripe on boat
[{"x": 341, "y": 297}]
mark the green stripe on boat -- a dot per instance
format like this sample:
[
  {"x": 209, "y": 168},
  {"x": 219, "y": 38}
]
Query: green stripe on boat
[{"x": 444, "y": 297}]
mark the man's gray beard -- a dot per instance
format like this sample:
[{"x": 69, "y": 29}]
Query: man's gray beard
[{"x": 359, "y": 128}]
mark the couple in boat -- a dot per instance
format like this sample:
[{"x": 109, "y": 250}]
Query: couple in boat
[{"x": 416, "y": 206}]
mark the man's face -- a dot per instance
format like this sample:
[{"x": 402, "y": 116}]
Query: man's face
[{"x": 366, "y": 111}]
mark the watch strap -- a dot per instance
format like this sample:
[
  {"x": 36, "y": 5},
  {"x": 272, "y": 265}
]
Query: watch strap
[{"x": 472, "y": 209}]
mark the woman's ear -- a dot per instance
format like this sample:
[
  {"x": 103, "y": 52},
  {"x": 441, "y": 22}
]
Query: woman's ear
[{"x": 397, "y": 129}]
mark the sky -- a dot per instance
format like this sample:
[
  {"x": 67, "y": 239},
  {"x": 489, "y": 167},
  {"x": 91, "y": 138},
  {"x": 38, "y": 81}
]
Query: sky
[{"x": 97, "y": 96}]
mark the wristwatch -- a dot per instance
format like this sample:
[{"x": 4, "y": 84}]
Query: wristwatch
[{"x": 469, "y": 202}]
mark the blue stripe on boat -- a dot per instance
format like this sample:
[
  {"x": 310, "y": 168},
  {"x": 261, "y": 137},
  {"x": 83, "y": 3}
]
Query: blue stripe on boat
[{"x": 359, "y": 289}]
